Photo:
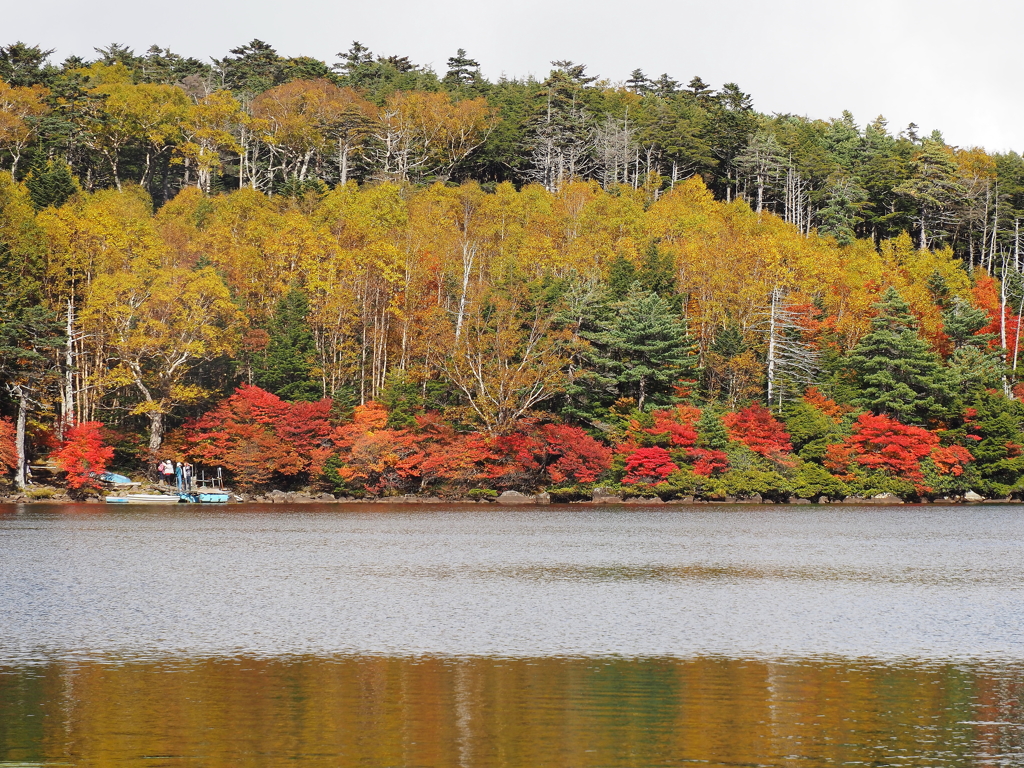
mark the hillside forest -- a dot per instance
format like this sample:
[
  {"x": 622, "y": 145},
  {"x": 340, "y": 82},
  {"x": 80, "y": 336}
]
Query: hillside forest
[{"x": 373, "y": 279}]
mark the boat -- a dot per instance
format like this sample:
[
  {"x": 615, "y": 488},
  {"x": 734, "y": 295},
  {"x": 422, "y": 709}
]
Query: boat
[
  {"x": 206, "y": 497},
  {"x": 197, "y": 497},
  {"x": 113, "y": 478},
  {"x": 144, "y": 498}
]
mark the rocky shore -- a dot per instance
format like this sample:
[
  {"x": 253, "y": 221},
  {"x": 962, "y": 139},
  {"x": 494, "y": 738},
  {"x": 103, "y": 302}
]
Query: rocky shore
[{"x": 51, "y": 495}]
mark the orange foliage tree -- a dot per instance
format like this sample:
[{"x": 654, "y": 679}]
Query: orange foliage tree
[
  {"x": 83, "y": 455},
  {"x": 8, "y": 449},
  {"x": 759, "y": 430},
  {"x": 256, "y": 435}
]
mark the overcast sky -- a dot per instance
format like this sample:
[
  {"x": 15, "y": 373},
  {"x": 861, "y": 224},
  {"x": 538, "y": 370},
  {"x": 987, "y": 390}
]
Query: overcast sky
[{"x": 951, "y": 66}]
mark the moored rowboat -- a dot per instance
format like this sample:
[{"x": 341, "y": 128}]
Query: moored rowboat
[{"x": 144, "y": 498}]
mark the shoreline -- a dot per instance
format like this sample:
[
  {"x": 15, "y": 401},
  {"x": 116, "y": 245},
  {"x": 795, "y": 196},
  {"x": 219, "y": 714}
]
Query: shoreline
[{"x": 600, "y": 497}]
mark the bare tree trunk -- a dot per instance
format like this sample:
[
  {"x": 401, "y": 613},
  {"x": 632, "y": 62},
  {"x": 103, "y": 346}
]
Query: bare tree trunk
[
  {"x": 771, "y": 346},
  {"x": 1002, "y": 329},
  {"x": 156, "y": 431},
  {"x": 68, "y": 399},
  {"x": 19, "y": 435},
  {"x": 468, "y": 255}
]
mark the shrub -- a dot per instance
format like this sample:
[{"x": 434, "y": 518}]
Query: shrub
[
  {"x": 744, "y": 483},
  {"x": 813, "y": 481},
  {"x": 83, "y": 456}
]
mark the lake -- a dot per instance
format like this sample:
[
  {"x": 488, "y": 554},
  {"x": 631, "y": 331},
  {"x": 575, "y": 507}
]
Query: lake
[{"x": 484, "y": 636}]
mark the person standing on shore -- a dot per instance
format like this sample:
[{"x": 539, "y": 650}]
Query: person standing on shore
[
  {"x": 168, "y": 472},
  {"x": 186, "y": 472},
  {"x": 177, "y": 475}
]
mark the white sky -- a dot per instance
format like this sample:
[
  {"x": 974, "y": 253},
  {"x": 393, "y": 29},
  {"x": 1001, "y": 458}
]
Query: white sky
[{"x": 941, "y": 64}]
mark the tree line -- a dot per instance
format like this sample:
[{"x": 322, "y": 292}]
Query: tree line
[{"x": 256, "y": 119}]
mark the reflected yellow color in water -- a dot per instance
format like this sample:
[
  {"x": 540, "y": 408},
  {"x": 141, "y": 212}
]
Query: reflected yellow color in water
[{"x": 387, "y": 711}]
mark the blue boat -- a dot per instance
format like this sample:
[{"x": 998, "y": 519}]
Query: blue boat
[{"x": 206, "y": 497}]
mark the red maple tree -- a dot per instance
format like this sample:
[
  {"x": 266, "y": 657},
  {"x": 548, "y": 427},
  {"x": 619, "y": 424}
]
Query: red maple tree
[
  {"x": 255, "y": 435},
  {"x": 83, "y": 456},
  {"x": 759, "y": 430},
  {"x": 881, "y": 442},
  {"x": 648, "y": 465},
  {"x": 8, "y": 449}
]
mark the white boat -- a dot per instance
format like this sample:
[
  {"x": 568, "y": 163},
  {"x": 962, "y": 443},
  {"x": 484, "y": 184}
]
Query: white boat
[{"x": 144, "y": 498}]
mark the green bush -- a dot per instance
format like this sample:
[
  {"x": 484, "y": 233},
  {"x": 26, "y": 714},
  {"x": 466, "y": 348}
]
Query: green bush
[
  {"x": 813, "y": 481},
  {"x": 744, "y": 483},
  {"x": 40, "y": 492},
  {"x": 874, "y": 482},
  {"x": 685, "y": 482},
  {"x": 482, "y": 494}
]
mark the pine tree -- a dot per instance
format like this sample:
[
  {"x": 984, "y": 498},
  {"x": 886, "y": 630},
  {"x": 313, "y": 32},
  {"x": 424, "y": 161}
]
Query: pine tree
[
  {"x": 1000, "y": 452},
  {"x": 658, "y": 273},
  {"x": 621, "y": 276},
  {"x": 50, "y": 184},
  {"x": 894, "y": 371},
  {"x": 646, "y": 349},
  {"x": 961, "y": 323},
  {"x": 287, "y": 364},
  {"x": 711, "y": 432},
  {"x": 462, "y": 71},
  {"x": 934, "y": 188}
]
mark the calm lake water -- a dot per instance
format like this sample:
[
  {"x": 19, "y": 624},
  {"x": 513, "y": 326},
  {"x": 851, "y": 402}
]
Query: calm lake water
[{"x": 562, "y": 636}]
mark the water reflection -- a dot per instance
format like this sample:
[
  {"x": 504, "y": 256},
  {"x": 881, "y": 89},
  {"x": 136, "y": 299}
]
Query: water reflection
[
  {"x": 485, "y": 637},
  {"x": 380, "y": 711}
]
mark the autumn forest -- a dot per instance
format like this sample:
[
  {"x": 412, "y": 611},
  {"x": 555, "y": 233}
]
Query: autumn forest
[{"x": 371, "y": 279}]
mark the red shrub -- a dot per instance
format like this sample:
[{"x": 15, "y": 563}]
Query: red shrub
[
  {"x": 83, "y": 455},
  {"x": 648, "y": 465},
  {"x": 881, "y": 442},
  {"x": 756, "y": 428},
  {"x": 8, "y": 450},
  {"x": 709, "y": 462},
  {"x": 678, "y": 424},
  {"x": 255, "y": 435},
  {"x": 951, "y": 460},
  {"x": 580, "y": 458}
]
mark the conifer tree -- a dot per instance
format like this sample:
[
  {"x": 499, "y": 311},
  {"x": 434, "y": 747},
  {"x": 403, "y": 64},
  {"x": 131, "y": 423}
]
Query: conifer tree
[
  {"x": 657, "y": 273},
  {"x": 711, "y": 432},
  {"x": 645, "y": 348},
  {"x": 961, "y": 323},
  {"x": 1000, "y": 451},
  {"x": 50, "y": 184},
  {"x": 621, "y": 276},
  {"x": 894, "y": 371},
  {"x": 286, "y": 369}
]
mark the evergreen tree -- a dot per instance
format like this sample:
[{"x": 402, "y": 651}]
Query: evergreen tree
[
  {"x": 894, "y": 371},
  {"x": 645, "y": 348},
  {"x": 844, "y": 199},
  {"x": 728, "y": 342},
  {"x": 254, "y": 68},
  {"x": 658, "y": 272},
  {"x": 287, "y": 364},
  {"x": 621, "y": 276},
  {"x": 1000, "y": 452},
  {"x": 961, "y": 323},
  {"x": 463, "y": 72},
  {"x": 664, "y": 86},
  {"x": 638, "y": 82},
  {"x": 934, "y": 188},
  {"x": 403, "y": 400},
  {"x": 711, "y": 432},
  {"x": 50, "y": 184}
]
